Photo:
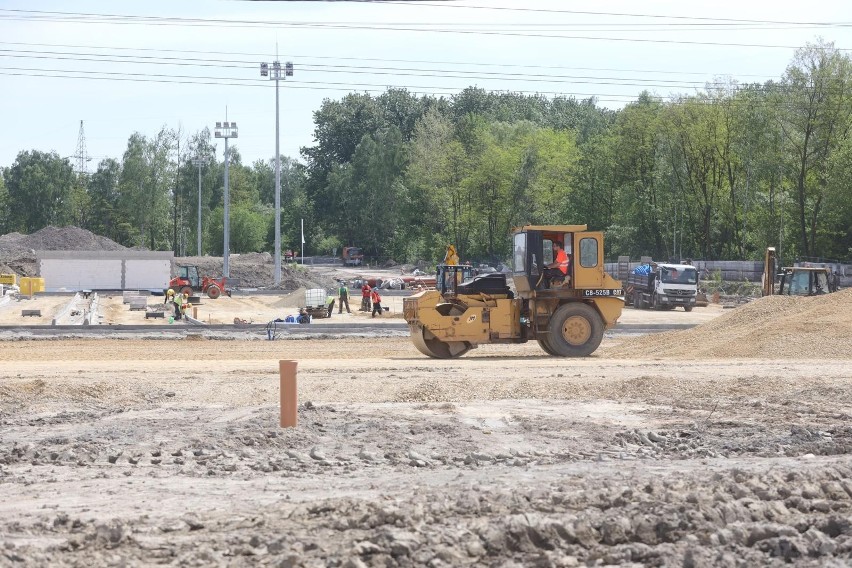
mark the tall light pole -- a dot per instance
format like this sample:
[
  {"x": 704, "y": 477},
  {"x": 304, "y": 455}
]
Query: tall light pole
[
  {"x": 276, "y": 76},
  {"x": 226, "y": 130},
  {"x": 199, "y": 161}
]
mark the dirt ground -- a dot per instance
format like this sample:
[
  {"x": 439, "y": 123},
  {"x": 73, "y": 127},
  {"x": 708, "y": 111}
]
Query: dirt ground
[{"x": 146, "y": 452}]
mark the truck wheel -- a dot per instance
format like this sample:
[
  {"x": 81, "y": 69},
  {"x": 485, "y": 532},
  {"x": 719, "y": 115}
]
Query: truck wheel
[
  {"x": 546, "y": 347},
  {"x": 687, "y": 308},
  {"x": 186, "y": 290},
  {"x": 637, "y": 300},
  {"x": 434, "y": 347},
  {"x": 213, "y": 291},
  {"x": 576, "y": 330}
]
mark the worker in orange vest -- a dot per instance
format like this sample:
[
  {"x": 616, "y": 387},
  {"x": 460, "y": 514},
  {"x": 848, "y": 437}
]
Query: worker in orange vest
[{"x": 377, "y": 302}]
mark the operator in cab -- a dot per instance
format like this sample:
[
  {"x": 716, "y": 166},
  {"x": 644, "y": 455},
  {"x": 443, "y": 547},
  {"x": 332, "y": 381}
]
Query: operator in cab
[{"x": 558, "y": 269}]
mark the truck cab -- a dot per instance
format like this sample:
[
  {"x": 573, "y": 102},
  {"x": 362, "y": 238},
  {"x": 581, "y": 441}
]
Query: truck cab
[
  {"x": 676, "y": 285},
  {"x": 352, "y": 256},
  {"x": 663, "y": 286},
  {"x": 804, "y": 281},
  {"x": 190, "y": 274}
]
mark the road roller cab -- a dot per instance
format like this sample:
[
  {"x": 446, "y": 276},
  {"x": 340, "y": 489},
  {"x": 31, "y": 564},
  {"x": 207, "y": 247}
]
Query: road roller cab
[{"x": 557, "y": 293}]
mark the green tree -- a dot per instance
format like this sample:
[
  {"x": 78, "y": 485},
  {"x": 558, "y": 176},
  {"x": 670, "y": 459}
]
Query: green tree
[
  {"x": 4, "y": 203},
  {"x": 248, "y": 229},
  {"x": 693, "y": 133},
  {"x": 106, "y": 218},
  {"x": 437, "y": 206},
  {"x": 145, "y": 187},
  {"x": 816, "y": 121},
  {"x": 838, "y": 222},
  {"x": 488, "y": 183},
  {"x": 38, "y": 187},
  {"x": 547, "y": 161},
  {"x": 758, "y": 142}
]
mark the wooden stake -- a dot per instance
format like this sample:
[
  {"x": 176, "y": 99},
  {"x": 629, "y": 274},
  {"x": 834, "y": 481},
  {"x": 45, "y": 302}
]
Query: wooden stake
[{"x": 289, "y": 395}]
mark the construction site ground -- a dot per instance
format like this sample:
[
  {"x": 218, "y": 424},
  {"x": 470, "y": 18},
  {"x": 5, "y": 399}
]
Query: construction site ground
[
  {"x": 727, "y": 444},
  {"x": 262, "y": 309}
]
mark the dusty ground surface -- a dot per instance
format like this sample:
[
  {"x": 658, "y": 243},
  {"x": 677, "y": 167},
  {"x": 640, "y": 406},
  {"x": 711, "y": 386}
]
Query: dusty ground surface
[{"x": 131, "y": 452}]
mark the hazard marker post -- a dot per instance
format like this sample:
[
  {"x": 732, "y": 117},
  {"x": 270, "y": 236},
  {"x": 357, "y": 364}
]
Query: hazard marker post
[{"x": 289, "y": 395}]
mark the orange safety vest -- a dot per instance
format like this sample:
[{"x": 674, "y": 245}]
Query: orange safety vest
[
  {"x": 562, "y": 259},
  {"x": 374, "y": 296}
]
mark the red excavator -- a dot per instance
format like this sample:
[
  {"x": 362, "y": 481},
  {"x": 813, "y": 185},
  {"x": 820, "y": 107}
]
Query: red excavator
[{"x": 188, "y": 281}]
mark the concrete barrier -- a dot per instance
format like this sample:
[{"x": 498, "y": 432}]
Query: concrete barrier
[
  {"x": 91, "y": 315},
  {"x": 67, "y": 309},
  {"x": 192, "y": 320},
  {"x": 127, "y": 294}
]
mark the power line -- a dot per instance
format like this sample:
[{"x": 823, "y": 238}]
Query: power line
[
  {"x": 196, "y": 80},
  {"x": 590, "y": 13},
  {"x": 361, "y": 59},
  {"x": 80, "y": 17},
  {"x": 621, "y": 27},
  {"x": 448, "y": 74},
  {"x": 703, "y": 19},
  {"x": 359, "y": 70},
  {"x": 234, "y": 81}
]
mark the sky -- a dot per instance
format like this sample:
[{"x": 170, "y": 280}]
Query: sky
[{"x": 126, "y": 67}]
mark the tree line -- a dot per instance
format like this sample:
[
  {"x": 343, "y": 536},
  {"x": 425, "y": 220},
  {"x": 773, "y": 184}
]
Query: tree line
[{"x": 718, "y": 174}]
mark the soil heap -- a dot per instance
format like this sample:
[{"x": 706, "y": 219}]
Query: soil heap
[
  {"x": 17, "y": 251},
  {"x": 257, "y": 270},
  {"x": 777, "y": 327},
  {"x": 17, "y": 255}
]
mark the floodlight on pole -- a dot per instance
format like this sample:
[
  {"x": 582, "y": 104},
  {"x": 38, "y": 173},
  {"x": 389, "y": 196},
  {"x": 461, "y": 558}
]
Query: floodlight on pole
[
  {"x": 198, "y": 162},
  {"x": 277, "y": 74},
  {"x": 226, "y": 130}
]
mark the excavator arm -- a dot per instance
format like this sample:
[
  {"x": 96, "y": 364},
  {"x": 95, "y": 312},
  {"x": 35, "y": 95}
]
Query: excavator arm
[{"x": 769, "y": 270}]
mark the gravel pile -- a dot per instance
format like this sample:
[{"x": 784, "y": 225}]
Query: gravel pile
[
  {"x": 17, "y": 251},
  {"x": 817, "y": 327},
  {"x": 257, "y": 270},
  {"x": 56, "y": 238},
  {"x": 17, "y": 255}
]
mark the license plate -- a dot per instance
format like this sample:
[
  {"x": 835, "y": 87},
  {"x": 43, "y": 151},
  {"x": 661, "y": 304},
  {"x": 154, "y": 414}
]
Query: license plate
[{"x": 603, "y": 292}]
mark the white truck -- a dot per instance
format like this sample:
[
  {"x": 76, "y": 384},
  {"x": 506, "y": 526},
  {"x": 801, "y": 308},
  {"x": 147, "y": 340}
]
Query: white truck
[{"x": 662, "y": 286}]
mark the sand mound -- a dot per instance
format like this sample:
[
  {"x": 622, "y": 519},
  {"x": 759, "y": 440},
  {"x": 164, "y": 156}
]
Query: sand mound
[
  {"x": 776, "y": 327},
  {"x": 295, "y": 299}
]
